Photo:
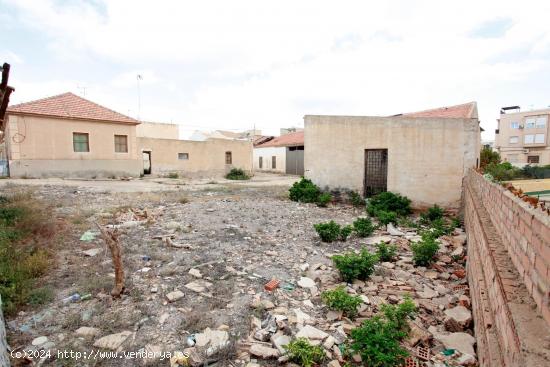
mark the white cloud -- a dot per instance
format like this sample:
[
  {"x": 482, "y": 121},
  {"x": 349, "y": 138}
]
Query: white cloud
[{"x": 232, "y": 64}]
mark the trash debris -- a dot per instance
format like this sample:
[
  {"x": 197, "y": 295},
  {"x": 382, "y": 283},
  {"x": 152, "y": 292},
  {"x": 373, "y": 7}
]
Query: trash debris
[
  {"x": 271, "y": 285},
  {"x": 88, "y": 236},
  {"x": 72, "y": 298}
]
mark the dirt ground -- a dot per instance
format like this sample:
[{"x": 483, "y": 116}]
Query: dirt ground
[{"x": 238, "y": 236}]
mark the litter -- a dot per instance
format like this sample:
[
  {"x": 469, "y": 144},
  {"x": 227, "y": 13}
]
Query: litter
[
  {"x": 73, "y": 298},
  {"x": 87, "y": 236},
  {"x": 271, "y": 285},
  {"x": 288, "y": 287}
]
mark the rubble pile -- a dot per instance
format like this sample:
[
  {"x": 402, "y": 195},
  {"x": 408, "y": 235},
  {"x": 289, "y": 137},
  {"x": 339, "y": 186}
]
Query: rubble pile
[{"x": 233, "y": 277}]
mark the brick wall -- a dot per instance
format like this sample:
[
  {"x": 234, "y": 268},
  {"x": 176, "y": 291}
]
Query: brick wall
[
  {"x": 4, "y": 360},
  {"x": 508, "y": 262}
]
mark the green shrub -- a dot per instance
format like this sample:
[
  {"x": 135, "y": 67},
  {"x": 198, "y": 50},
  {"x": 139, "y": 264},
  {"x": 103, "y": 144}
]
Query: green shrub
[
  {"x": 386, "y": 252},
  {"x": 339, "y": 299},
  {"x": 41, "y": 296},
  {"x": 433, "y": 213},
  {"x": 363, "y": 227},
  {"x": 329, "y": 232},
  {"x": 355, "y": 199},
  {"x": 355, "y": 266},
  {"x": 424, "y": 250},
  {"x": 538, "y": 172},
  {"x": 385, "y": 217},
  {"x": 324, "y": 199},
  {"x": 300, "y": 351},
  {"x": 502, "y": 171},
  {"x": 304, "y": 191},
  {"x": 440, "y": 227},
  {"x": 237, "y": 174},
  {"x": 488, "y": 156},
  {"x": 389, "y": 202},
  {"x": 172, "y": 175},
  {"x": 377, "y": 340}
]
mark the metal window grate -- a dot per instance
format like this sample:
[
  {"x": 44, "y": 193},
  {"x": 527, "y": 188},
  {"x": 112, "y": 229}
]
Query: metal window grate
[{"x": 376, "y": 171}]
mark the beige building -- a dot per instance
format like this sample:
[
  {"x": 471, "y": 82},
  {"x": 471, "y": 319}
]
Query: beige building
[
  {"x": 522, "y": 137},
  {"x": 69, "y": 136},
  {"x": 423, "y": 155},
  {"x": 157, "y": 130}
]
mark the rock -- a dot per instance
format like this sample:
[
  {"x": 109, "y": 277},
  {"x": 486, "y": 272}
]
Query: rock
[
  {"x": 301, "y": 317},
  {"x": 92, "y": 252},
  {"x": 174, "y": 296},
  {"x": 458, "y": 252},
  {"x": 198, "y": 286},
  {"x": 394, "y": 231},
  {"x": 462, "y": 342},
  {"x": 113, "y": 341},
  {"x": 215, "y": 340},
  {"x": 306, "y": 282},
  {"x": 279, "y": 341},
  {"x": 195, "y": 272},
  {"x": 466, "y": 360},
  {"x": 333, "y": 363},
  {"x": 304, "y": 267},
  {"x": 263, "y": 351},
  {"x": 329, "y": 342},
  {"x": 427, "y": 293},
  {"x": 377, "y": 239},
  {"x": 460, "y": 317},
  {"x": 262, "y": 335},
  {"x": 459, "y": 240},
  {"x": 388, "y": 265},
  {"x": 334, "y": 315},
  {"x": 86, "y": 332},
  {"x": 40, "y": 340},
  {"x": 310, "y": 332}
]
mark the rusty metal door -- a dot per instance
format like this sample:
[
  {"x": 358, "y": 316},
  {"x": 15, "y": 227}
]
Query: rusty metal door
[{"x": 376, "y": 171}]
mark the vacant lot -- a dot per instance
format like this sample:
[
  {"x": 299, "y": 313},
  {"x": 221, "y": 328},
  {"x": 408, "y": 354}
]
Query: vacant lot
[{"x": 196, "y": 259}]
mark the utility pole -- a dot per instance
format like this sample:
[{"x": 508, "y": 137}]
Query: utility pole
[
  {"x": 139, "y": 77},
  {"x": 82, "y": 89}
]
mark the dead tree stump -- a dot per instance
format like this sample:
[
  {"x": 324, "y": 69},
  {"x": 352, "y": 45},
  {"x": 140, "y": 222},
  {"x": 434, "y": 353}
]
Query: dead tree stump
[{"x": 111, "y": 239}]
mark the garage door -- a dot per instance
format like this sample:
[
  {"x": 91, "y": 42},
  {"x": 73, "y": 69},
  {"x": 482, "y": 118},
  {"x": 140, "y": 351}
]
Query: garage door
[{"x": 295, "y": 160}]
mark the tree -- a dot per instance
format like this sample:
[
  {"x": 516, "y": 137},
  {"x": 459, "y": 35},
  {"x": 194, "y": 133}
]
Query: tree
[{"x": 487, "y": 156}]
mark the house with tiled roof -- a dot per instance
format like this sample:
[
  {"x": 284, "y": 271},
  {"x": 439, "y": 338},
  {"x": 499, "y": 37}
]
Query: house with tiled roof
[
  {"x": 70, "y": 136},
  {"x": 67, "y": 135},
  {"x": 282, "y": 154},
  {"x": 423, "y": 155}
]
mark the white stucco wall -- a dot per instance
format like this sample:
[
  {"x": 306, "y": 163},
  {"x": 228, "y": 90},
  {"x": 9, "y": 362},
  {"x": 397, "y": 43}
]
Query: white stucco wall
[{"x": 267, "y": 154}]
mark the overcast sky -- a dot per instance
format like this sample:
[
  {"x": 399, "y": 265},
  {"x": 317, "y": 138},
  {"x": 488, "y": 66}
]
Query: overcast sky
[{"x": 235, "y": 64}]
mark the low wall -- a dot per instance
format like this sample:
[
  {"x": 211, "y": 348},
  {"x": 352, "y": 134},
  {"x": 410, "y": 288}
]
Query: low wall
[
  {"x": 75, "y": 168},
  {"x": 508, "y": 261}
]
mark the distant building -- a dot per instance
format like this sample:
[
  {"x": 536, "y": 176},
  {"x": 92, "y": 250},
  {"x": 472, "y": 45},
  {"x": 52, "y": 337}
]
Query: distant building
[
  {"x": 69, "y": 136},
  {"x": 423, "y": 155},
  {"x": 222, "y": 134},
  {"x": 283, "y": 154},
  {"x": 288, "y": 130},
  {"x": 522, "y": 137},
  {"x": 487, "y": 144}
]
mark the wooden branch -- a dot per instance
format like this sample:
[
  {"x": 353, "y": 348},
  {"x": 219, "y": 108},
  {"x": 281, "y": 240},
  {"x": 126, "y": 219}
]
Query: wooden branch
[{"x": 111, "y": 239}]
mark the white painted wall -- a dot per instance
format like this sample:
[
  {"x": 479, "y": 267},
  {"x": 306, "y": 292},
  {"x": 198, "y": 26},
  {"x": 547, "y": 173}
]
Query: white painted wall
[{"x": 266, "y": 154}]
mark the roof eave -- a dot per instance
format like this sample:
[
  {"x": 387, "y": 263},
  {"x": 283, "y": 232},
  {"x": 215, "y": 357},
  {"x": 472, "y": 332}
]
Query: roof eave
[{"x": 72, "y": 118}]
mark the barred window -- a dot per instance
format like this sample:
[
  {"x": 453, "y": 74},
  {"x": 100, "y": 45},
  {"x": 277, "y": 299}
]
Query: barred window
[{"x": 228, "y": 158}]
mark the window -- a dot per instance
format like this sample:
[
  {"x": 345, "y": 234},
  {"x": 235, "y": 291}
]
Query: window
[
  {"x": 514, "y": 139},
  {"x": 540, "y": 122},
  {"x": 183, "y": 156},
  {"x": 532, "y": 159},
  {"x": 539, "y": 138},
  {"x": 514, "y": 125},
  {"x": 228, "y": 158},
  {"x": 121, "y": 143},
  {"x": 273, "y": 162},
  {"x": 530, "y": 123},
  {"x": 512, "y": 158},
  {"x": 81, "y": 142},
  {"x": 260, "y": 163},
  {"x": 529, "y": 139}
]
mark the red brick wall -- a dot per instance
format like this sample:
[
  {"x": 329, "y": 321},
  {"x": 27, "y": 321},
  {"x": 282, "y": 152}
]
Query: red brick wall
[{"x": 508, "y": 261}]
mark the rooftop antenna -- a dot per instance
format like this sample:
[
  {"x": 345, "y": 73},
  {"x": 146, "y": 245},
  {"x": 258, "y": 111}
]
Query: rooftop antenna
[
  {"x": 82, "y": 89},
  {"x": 138, "y": 78}
]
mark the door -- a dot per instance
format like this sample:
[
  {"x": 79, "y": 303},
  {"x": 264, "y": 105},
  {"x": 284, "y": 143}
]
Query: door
[
  {"x": 376, "y": 171},
  {"x": 295, "y": 160},
  {"x": 146, "y": 163}
]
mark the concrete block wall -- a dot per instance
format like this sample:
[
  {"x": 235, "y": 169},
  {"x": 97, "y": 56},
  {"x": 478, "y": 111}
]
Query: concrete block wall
[{"x": 506, "y": 241}]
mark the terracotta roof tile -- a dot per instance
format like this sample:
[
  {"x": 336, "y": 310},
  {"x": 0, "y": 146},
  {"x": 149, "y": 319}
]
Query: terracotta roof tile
[
  {"x": 69, "y": 105},
  {"x": 466, "y": 110},
  {"x": 286, "y": 140}
]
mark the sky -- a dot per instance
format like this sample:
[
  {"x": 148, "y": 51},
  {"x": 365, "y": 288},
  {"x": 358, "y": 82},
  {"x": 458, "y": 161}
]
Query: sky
[{"x": 235, "y": 65}]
